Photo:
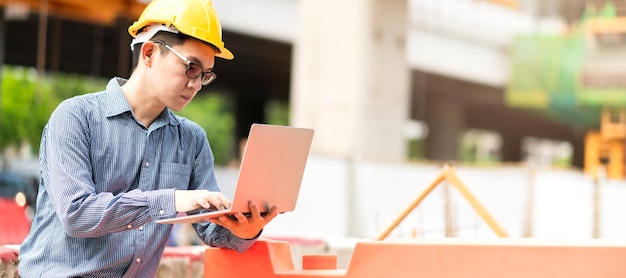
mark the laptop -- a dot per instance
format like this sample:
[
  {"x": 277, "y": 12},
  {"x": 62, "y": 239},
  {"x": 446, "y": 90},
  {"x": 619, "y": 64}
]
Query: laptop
[{"x": 270, "y": 173}]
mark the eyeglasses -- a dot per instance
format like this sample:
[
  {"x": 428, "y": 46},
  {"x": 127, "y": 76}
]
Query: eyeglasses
[{"x": 193, "y": 70}]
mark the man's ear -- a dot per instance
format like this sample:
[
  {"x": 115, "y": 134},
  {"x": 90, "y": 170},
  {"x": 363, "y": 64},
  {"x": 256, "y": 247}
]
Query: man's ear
[{"x": 148, "y": 49}]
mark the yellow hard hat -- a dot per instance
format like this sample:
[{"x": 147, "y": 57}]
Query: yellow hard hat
[{"x": 194, "y": 18}]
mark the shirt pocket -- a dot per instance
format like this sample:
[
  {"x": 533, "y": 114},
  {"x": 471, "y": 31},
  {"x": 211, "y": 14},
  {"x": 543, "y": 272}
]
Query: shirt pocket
[{"x": 174, "y": 175}]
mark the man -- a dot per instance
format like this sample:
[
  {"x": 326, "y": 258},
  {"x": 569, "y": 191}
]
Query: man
[{"x": 113, "y": 162}]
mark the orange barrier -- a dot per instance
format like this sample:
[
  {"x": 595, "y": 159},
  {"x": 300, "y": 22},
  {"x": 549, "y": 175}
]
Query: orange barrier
[
  {"x": 266, "y": 258},
  {"x": 441, "y": 258},
  {"x": 14, "y": 225}
]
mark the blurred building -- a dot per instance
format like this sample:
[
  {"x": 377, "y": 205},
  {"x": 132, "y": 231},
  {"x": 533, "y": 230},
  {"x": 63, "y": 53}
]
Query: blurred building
[{"x": 372, "y": 77}]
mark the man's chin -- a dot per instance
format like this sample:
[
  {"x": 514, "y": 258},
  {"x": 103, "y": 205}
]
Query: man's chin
[{"x": 177, "y": 108}]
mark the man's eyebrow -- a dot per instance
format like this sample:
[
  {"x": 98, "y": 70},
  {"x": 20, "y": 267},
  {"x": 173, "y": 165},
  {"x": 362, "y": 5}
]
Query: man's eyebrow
[{"x": 195, "y": 60}]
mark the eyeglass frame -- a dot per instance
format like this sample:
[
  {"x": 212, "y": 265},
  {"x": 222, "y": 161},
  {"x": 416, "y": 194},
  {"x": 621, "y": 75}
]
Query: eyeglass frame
[{"x": 211, "y": 75}]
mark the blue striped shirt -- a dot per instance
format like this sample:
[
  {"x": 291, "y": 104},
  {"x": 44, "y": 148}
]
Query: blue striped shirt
[{"x": 105, "y": 178}]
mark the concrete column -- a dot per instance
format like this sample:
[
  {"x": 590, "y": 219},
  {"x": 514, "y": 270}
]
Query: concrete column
[
  {"x": 446, "y": 124},
  {"x": 350, "y": 78}
]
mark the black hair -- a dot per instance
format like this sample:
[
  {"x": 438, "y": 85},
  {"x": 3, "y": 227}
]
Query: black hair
[{"x": 167, "y": 37}]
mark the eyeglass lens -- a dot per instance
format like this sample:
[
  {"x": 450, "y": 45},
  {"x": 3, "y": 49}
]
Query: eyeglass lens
[{"x": 194, "y": 70}]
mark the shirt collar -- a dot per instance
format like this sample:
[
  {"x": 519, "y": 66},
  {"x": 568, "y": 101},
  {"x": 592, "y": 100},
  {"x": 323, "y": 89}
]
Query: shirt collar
[{"x": 118, "y": 104}]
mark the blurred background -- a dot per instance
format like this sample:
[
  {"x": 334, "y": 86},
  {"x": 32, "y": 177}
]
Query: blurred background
[{"x": 523, "y": 98}]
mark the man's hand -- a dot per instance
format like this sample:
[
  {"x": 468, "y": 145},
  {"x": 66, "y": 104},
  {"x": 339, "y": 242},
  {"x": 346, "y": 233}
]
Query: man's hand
[
  {"x": 188, "y": 200},
  {"x": 247, "y": 227}
]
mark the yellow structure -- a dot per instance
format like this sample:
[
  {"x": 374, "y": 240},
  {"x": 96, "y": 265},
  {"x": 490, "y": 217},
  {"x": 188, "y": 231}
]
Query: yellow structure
[
  {"x": 448, "y": 174},
  {"x": 605, "y": 149}
]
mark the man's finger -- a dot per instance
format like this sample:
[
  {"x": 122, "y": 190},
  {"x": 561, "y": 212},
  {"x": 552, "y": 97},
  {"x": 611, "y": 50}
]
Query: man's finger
[
  {"x": 271, "y": 214},
  {"x": 253, "y": 208},
  {"x": 223, "y": 221},
  {"x": 241, "y": 219}
]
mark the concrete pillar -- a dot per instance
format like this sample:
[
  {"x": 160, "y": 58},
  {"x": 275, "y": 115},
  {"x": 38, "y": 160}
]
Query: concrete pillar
[
  {"x": 350, "y": 78},
  {"x": 446, "y": 125}
]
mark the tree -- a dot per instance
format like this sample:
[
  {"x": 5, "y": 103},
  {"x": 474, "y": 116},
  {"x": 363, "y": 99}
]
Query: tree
[
  {"x": 28, "y": 101},
  {"x": 25, "y": 106},
  {"x": 214, "y": 114}
]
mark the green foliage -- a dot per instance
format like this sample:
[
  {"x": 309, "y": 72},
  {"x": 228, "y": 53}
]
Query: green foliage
[
  {"x": 28, "y": 101},
  {"x": 277, "y": 113},
  {"x": 416, "y": 149},
  {"x": 25, "y": 107},
  {"x": 68, "y": 85},
  {"x": 213, "y": 113},
  {"x": 480, "y": 146}
]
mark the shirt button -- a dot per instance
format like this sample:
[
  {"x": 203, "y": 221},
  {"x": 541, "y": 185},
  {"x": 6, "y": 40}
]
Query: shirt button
[
  {"x": 161, "y": 212},
  {"x": 129, "y": 226},
  {"x": 138, "y": 260},
  {"x": 141, "y": 228},
  {"x": 147, "y": 164}
]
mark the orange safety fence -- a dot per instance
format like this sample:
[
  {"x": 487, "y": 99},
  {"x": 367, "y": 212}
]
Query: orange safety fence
[{"x": 441, "y": 258}]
